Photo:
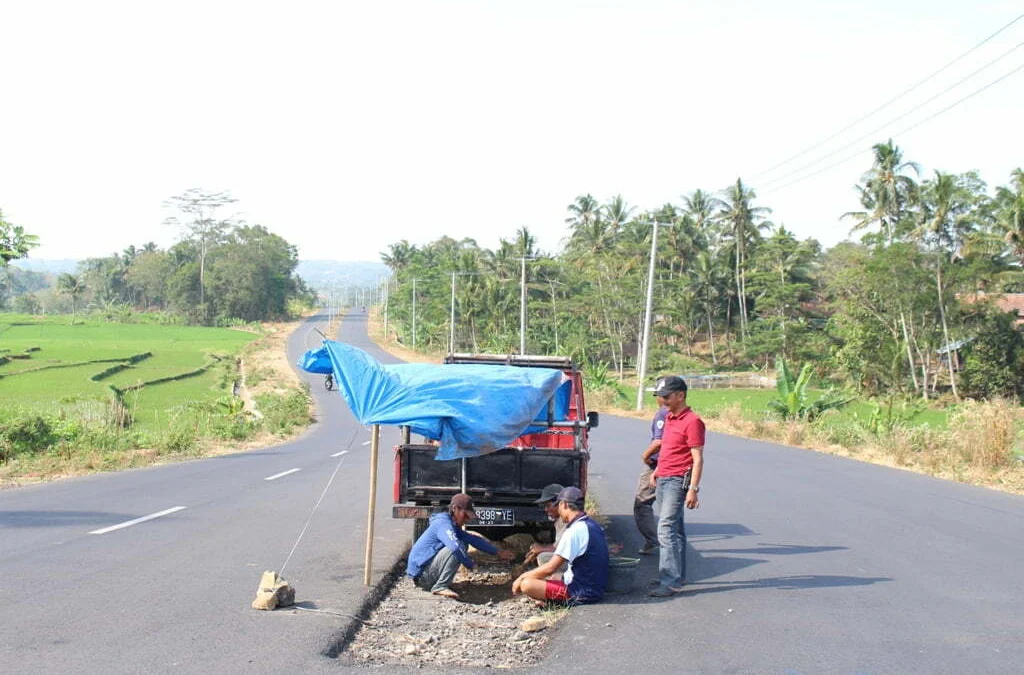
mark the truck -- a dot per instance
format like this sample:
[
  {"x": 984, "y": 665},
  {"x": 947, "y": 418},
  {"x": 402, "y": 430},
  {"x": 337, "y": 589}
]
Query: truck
[{"x": 503, "y": 484}]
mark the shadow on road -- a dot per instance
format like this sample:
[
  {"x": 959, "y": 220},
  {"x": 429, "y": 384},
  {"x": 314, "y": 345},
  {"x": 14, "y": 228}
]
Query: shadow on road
[{"x": 705, "y": 565}]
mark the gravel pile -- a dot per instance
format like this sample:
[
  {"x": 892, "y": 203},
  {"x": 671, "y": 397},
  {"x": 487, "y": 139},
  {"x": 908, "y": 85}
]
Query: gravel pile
[{"x": 483, "y": 628}]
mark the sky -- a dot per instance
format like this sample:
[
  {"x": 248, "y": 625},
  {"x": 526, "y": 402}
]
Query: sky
[{"x": 347, "y": 126}]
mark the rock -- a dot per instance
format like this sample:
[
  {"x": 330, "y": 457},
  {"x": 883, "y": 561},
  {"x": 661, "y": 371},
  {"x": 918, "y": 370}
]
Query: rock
[
  {"x": 273, "y": 592},
  {"x": 411, "y": 650},
  {"x": 533, "y": 624}
]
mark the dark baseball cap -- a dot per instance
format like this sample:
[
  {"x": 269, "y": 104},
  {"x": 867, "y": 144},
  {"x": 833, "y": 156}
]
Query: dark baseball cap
[
  {"x": 464, "y": 502},
  {"x": 573, "y": 495},
  {"x": 549, "y": 494},
  {"x": 669, "y": 383}
]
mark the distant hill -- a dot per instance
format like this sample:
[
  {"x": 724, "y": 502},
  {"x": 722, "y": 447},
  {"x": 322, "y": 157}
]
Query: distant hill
[
  {"x": 337, "y": 274},
  {"x": 53, "y": 267},
  {"x": 318, "y": 274}
]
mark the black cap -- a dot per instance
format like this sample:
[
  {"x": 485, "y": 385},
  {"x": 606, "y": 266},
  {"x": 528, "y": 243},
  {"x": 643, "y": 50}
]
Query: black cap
[
  {"x": 668, "y": 384},
  {"x": 572, "y": 495},
  {"x": 549, "y": 494}
]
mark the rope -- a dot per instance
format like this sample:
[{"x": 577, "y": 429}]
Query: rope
[{"x": 323, "y": 494}]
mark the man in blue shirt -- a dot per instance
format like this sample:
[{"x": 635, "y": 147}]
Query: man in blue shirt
[
  {"x": 583, "y": 547},
  {"x": 437, "y": 554},
  {"x": 643, "y": 502}
]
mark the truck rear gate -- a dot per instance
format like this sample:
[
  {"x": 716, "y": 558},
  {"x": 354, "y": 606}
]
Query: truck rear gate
[{"x": 499, "y": 482}]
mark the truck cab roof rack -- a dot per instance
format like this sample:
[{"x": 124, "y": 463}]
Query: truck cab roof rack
[{"x": 559, "y": 362}]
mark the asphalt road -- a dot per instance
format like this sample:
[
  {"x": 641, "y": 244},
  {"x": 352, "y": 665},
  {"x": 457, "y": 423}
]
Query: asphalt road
[
  {"x": 172, "y": 593},
  {"x": 799, "y": 562},
  {"x": 802, "y": 562}
]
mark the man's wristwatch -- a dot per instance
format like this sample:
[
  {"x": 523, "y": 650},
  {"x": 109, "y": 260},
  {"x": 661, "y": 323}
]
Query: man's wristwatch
[{"x": 695, "y": 488}]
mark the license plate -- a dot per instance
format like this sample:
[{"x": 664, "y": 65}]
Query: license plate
[{"x": 488, "y": 516}]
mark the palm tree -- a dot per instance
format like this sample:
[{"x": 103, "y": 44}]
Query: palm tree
[
  {"x": 743, "y": 222},
  {"x": 1010, "y": 213},
  {"x": 947, "y": 219},
  {"x": 886, "y": 191},
  {"x": 72, "y": 286},
  {"x": 702, "y": 207},
  {"x": 708, "y": 282},
  {"x": 399, "y": 257}
]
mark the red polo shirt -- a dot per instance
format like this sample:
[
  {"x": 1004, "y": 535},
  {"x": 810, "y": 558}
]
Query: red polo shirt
[{"x": 683, "y": 432}]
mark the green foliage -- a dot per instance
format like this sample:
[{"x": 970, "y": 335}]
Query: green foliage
[
  {"x": 994, "y": 359},
  {"x": 792, "y": 400},
  {"x": 284, "y": 412},
  {"x": 889, "y": 415}
]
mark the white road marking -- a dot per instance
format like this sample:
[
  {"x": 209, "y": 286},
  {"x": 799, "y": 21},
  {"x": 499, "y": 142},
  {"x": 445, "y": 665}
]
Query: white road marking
[
  {"x": 137, "y": 521},
  {"x": 366, "y": 443},
  {"x": 283, "y": 473},
  {"x": 339, "y": 454}
]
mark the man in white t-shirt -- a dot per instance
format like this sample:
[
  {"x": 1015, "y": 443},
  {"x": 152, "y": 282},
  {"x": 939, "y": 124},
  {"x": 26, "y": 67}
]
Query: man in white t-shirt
[{"x": 583, "y": 547}]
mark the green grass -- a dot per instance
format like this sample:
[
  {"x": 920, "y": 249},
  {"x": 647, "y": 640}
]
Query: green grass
[
  {"x": 753, "y": 404},
  {"x": 53, "y": 378}
]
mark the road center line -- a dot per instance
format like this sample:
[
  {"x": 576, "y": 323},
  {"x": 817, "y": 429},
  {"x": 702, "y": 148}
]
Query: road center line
[
  {"x": 339, "y": 454},
  {"x": 283, "y": 473},
  {"x": 137, "y": 520}
]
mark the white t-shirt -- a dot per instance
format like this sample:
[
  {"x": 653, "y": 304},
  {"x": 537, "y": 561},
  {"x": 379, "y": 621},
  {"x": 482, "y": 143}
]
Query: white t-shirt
[{"x": 573, "y": 544}]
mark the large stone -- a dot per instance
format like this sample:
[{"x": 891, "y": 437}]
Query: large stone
[{"x": 273, "y": 592}]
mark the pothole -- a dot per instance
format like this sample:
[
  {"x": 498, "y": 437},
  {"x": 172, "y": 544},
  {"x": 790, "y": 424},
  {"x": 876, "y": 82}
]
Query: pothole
[{"x": 483, "y": 628}]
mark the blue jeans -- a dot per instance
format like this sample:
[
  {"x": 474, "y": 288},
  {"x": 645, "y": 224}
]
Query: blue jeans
[{"x": 671, "y": 497}]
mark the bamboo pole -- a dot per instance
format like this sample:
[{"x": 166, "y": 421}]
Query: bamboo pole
[{"x": 374, "y": 447}]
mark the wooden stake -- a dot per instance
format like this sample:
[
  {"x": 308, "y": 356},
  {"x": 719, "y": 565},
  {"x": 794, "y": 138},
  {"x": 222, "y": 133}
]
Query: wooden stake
[{"x": 374, "y": 447}]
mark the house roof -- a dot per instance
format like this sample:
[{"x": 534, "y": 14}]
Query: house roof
[{"x": 1006, "y": 302}]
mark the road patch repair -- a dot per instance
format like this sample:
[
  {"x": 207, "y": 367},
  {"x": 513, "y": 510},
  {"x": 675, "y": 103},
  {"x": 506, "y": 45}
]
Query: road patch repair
[{"x": 485, "y": 627}]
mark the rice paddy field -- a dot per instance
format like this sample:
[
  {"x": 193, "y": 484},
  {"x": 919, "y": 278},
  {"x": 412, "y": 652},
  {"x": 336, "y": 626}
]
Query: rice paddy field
[{"x": 48, "y": 365}]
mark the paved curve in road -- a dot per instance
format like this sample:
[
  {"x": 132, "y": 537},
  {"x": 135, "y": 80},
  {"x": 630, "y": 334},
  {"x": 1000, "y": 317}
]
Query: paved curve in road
[{"x": 800, "y": 562}]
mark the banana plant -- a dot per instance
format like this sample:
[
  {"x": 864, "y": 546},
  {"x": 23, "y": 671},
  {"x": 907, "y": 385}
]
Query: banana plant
[{"x": 792, "y": 402}]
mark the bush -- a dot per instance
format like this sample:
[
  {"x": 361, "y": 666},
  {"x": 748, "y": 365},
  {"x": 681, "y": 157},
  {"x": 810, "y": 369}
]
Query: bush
[
  {"x": 179, "y": 439},
  {"x": 26, "y": 434},
  {"x": 989, "y": 433},
  {"x": 283, "y": 412}
]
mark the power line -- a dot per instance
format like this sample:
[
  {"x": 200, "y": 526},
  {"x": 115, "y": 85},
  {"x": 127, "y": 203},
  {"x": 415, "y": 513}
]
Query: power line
[
  {"x": 898, "y": 117},
  {"x": 889, "y": 102},
  {"x": 906, "y": 130}
]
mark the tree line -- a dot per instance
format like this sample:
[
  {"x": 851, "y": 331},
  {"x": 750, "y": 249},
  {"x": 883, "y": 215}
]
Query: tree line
[
  {"x": 222, "y": 270},
  {"x": 906, "y": 309}
]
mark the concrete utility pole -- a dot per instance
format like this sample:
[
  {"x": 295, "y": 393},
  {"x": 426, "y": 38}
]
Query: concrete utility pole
[
  {"x": 646, "y": 337},
  {"x": 451, "y": 321},
  {"x": 414, "y": 314},
  {"x": 522, "y": 305}
]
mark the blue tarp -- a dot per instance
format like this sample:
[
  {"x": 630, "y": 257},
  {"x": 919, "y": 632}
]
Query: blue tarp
[{"x": 472, "y": 409}]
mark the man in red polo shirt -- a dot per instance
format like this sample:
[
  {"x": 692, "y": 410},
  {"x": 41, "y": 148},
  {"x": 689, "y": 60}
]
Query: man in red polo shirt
[{"x": 677, "y": 481}]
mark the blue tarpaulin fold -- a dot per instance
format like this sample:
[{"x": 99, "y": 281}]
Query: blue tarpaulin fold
[{"x": 472, "y": 409}]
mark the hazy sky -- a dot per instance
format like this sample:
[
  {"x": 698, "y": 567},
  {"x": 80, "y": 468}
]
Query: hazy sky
[{"x": 347, "y": 126}]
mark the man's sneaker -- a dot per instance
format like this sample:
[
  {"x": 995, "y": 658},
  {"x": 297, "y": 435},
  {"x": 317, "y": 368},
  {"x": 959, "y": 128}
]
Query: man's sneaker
[{"x": 648, "y": 549}]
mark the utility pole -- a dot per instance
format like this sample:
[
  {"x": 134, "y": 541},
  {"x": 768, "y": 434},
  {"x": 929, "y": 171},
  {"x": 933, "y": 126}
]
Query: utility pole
[
  {"x": 522, "y": 305},
  {"x": 646, "y": 338},
  {"x": 451, "y": 321},
  {"x": 414, "y": 314},
  {"x": 387, "y": 286}
]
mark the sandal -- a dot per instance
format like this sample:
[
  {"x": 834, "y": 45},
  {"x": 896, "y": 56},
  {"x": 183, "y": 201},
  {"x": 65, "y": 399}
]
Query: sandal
[{"x": 446, "y": 593}]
